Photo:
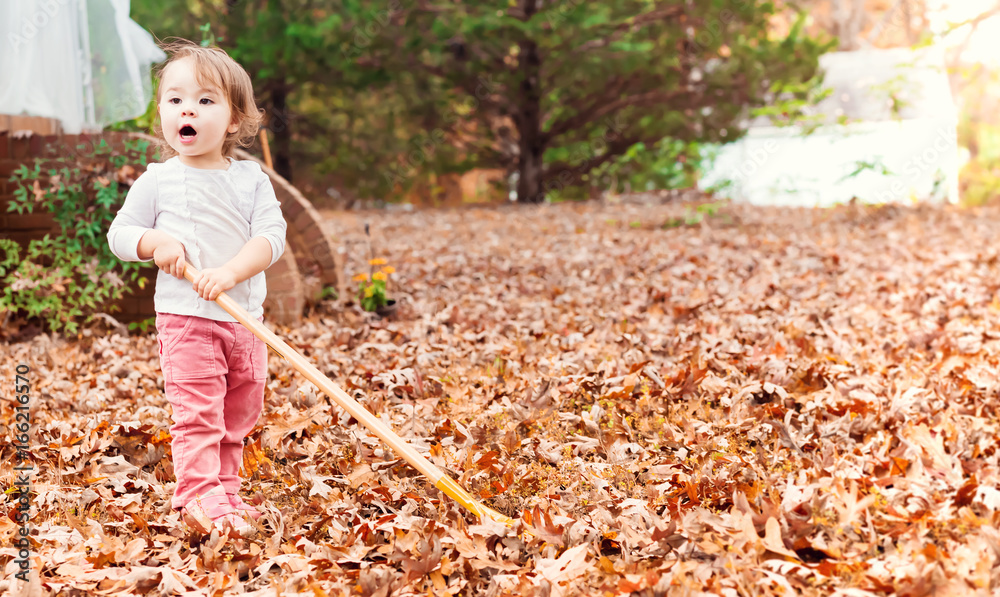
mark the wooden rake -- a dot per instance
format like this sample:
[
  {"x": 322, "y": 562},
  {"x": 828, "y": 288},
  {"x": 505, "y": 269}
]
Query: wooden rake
[{"x": 436, "y": 476}]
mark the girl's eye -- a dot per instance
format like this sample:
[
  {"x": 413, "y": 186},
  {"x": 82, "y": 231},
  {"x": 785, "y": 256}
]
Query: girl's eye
[
  {"x": 205, "y": 101},
  {"x": 174, "y": 100}
]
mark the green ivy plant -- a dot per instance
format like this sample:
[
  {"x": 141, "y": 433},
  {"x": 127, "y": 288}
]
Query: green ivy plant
[{"x": 67, "y": 278}]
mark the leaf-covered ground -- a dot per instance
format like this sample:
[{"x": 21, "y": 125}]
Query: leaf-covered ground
[{"x": 770, "y": 401}]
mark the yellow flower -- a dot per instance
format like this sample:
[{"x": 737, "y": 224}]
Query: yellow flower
[
  {"x": 377, "y": 261},
  {"x": 361, "y": 278},
  {"x": 389, "y": 269},
  {"x": 379, "y": 276},
  {"x": 369, "y": 291}
]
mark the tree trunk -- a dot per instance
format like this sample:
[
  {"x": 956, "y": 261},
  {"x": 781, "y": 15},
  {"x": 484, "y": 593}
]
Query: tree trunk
[
  {"x": 280, "y": 125},
  {"x": 911, "y": 36},
  {"x": 528, "y": 119},
  {"x": 848, "y": 20}
]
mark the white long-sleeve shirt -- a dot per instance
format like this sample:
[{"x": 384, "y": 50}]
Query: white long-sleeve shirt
[{"x": 213, "y": 213}]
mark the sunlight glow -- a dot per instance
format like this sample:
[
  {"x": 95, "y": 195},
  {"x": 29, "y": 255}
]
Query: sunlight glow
[{"x": 984, "y": 46}]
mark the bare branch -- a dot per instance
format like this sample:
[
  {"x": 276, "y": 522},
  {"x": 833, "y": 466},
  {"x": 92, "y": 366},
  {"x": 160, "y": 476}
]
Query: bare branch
[
  {"x": 468, "y": 85},
  {"x": 569, "y": 174},
  {"x": 974, "y": 22},
  {"x": 877, "y": 30},
  {"x": 631, "y": 24},
  {"x": 599, "y": 109},
  {"x": 616, "y": 34}
]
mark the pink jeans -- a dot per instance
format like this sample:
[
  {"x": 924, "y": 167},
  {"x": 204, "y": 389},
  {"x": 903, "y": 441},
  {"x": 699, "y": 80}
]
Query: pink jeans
[{"x": 214, "y": 374}]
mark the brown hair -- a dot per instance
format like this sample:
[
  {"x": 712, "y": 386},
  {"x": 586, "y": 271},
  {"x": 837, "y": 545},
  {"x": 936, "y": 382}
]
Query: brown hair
[{"x": 213, "y": 65}]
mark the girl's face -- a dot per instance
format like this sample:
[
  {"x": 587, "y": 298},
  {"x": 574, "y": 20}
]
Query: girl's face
[{"x": 194, "y": 119}]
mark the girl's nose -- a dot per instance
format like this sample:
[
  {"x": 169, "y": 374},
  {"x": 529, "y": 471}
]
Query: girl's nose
[{"x": 188, "y": 110}]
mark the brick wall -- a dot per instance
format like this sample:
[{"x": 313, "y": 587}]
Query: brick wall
[{"x": 287, "y": 294}]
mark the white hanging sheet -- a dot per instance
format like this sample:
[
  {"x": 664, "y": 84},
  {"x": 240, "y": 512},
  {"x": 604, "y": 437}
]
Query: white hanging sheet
[
  {"x": 83, "y": 62},
  {"x": 889, "y": 134}
]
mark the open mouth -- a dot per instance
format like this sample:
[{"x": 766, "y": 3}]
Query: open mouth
[{"x": 188, "y": 133}]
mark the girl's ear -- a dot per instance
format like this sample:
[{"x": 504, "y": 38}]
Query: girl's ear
[{"x": 233, "y": 127}]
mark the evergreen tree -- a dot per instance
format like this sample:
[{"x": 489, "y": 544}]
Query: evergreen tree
[{"x": 561, "y": 87}]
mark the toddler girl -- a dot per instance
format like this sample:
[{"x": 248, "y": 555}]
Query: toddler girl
[{"x": 220, "y": 215}]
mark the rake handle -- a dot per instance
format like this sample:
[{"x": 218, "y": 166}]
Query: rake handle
[{"x": 440, "y": 480}]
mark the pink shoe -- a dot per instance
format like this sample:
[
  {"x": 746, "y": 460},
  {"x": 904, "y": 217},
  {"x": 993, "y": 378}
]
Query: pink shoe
[
  {"x": 214, "y": 510},
  {"x": 242, "y": 507}
]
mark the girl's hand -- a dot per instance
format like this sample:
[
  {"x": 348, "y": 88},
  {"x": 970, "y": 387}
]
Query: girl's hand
[
  {"x": 214, "y": 281},
  {"x": 169, "y": 257}
]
